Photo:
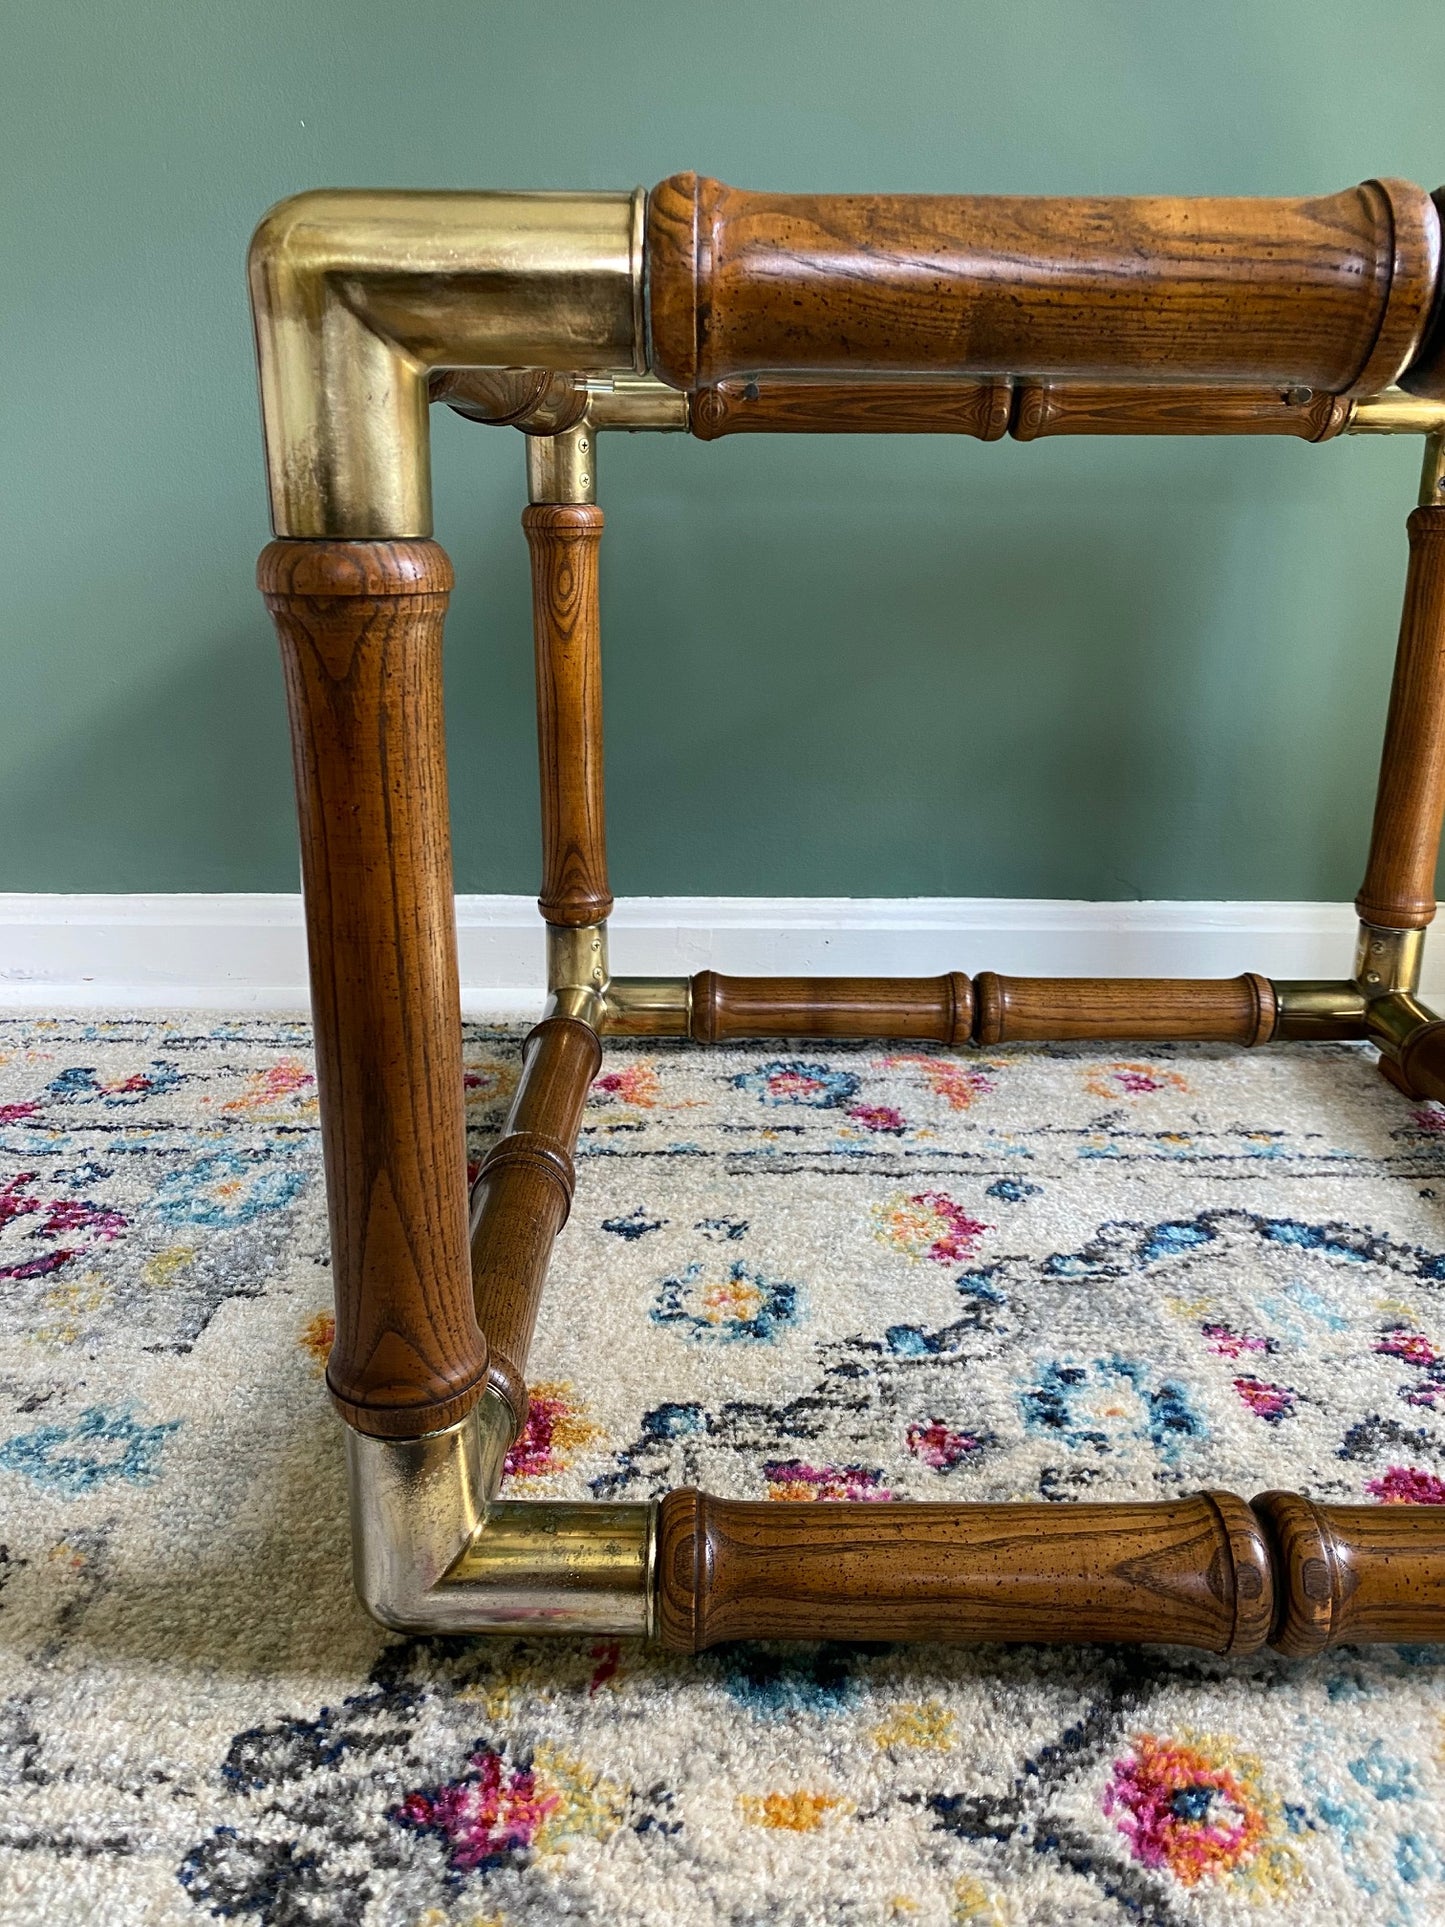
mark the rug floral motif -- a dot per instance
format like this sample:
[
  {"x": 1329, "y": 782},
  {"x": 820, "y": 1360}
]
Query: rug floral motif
[{"x": 799, "y": 1273}]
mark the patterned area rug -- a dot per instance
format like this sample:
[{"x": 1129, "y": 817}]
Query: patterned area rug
[{"x": 850, "y": 1272}]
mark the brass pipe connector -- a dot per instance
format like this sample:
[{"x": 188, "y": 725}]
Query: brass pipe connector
[
  {"x": 648, "y": 1007},
  {"x": 577, "y": 956},
  {"x": 563, "y": 467},
  {"x": 359, "y": 295},
  {"x": 1318, "y": 1010},
  {"x": 1393, "y": 412},
  {"x": 1387, "y": 960},
  {"x": 437, "y": 1552}
]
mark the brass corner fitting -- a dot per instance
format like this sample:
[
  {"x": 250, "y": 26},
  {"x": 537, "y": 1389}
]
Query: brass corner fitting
[
  {"x": 580, "y": 984},
  {"x": 358, "y": 296},
  {"x": 1387, "y": 972},
  {"x": 1387, "y": 966},
  {"x": 562, "y": 462},
  {"x": 435, "y": 1550}
]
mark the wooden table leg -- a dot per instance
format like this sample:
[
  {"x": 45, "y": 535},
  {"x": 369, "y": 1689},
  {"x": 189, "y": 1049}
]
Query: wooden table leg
[{"x": 360, "y": 625}]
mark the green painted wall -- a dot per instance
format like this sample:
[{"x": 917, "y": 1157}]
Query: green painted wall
[{"x": 836, "y": 666}]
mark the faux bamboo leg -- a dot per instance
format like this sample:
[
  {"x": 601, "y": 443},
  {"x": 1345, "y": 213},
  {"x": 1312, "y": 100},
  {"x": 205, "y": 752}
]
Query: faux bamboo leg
[
  {"x": 937, "y": 1008},
  {"x": 1228, "y": 1010},
  {"x": 523, "y": 1193},
  {"x": 564, "y": 538},
  {"x": 1399, "y": 887},
  {"x": 360, "y": 625}
]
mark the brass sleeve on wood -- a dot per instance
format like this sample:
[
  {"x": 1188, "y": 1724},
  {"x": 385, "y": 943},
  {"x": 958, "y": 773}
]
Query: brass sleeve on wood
[
  {"x": 1318, "y": 1009},
  {"x": 648, "y": 1007},
  {"x": 523, "y": 1193},
  {"x": 564, "y": 539},
  {"x": 360, "y": 626},
  {"x": 1399, "y": 886},
  {"x": 1235, "y": 1010},
  {"x": 936, "y": 1008}
]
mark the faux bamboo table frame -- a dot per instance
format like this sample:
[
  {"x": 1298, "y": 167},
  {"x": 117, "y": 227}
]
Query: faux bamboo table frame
[{"x": 702, "y": 309}]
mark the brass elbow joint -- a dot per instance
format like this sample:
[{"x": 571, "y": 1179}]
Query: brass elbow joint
[
  {"x": 437, "y": 1552},
  {"x": 359, "y": 295}
]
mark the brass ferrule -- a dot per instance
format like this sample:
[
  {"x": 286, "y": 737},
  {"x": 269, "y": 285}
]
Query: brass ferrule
[
  {"x": 636, "y": 402},
  {"x": 1308, "y": 1009},
  {"x": 577, "y": 957},
  {"x": 435, "y": 1551},
  {"x": 1387, "y": 959},
  {"x": 1391, "y": 1021},
  {"x": 555, "y": 1567},
  {"x": 1396, "y": 413},
  {"x": 358, "y": 295},
  {"x": 648, "y": 1007},
  {"x": 563, "y": 468}
]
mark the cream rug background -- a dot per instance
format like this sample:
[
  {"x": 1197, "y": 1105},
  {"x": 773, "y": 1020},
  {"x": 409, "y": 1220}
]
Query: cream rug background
[{"x": 851, "y": 1271}]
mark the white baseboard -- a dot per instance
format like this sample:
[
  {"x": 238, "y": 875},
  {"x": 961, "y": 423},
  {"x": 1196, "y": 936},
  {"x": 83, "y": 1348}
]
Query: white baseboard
[{"x": 248, "y": 952}]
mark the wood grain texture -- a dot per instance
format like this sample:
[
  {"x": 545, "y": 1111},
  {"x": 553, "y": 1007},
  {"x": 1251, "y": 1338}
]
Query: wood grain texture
[
  {"x": 1233, "y": 1010},
  {"x": 1399, "y": 886},
  {"x": 360, "y": 625},
  {"x": 1190, "y": 1572},
  {"x": 937, "y": 1008},
  {"x": 1331, "y": 293},
  {"x": 523, "y": 1193},
  {"x": 836, "y": 405},
  {"x": 564, "y": 538},
  {"x": 1354, "y": 1573},
  {"x": 1099, "y": 408}
]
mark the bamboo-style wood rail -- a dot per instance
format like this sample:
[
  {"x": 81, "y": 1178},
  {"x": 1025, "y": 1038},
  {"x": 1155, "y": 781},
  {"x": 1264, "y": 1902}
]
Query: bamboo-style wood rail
[
  {"x": 988, "y": 410},
  {"x": 564, "y": 538},
  {"x": 1206, "y": 1571},
  {"x": 523, "y": 1194},
  {"x": 1332, "y": 293},
  {"x": 1226, "y": 1010},
  {"x": 1399, "y": 887}
]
